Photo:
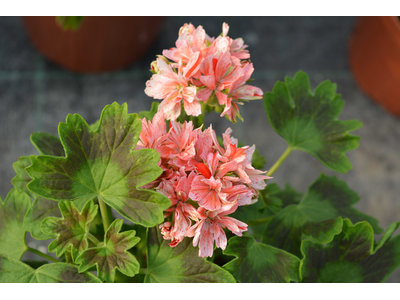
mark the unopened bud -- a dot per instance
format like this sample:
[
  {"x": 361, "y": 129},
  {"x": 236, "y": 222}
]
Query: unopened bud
[{"x": 154, "y": 68}]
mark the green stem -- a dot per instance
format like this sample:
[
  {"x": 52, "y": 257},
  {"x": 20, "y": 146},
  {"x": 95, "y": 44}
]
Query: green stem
[
  {"x": 104, "y": 215},
  {"x": 279, "y": 161},
  {"x": 93, "y": 239},
  {"x": 143, "y": 271},
  {"x": 37, "y": 252}
]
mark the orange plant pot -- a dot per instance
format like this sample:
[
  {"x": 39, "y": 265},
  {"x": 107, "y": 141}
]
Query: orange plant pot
[
  {"x": 375, "y": 59},
  {"x": 101, "y": 44}
]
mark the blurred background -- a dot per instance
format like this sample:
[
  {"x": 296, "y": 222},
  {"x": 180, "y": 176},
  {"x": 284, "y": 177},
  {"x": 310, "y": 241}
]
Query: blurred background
[{"x": 36, "y": 94}]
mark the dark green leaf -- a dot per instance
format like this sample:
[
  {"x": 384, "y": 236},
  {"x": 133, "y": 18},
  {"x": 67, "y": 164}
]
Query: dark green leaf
[
  {"x": 260, "y": 213},
  {"x": 112, "y": 255},
  {"x": 41, "y": 209},
  {"x": 288, "y": 195},
  {"x": 327, "y": 198},
  {"x": 71, "y": 230},
  {"x": 308, "y": 120},
  {"x": 322, "y": 232},
  {"x": 257, "y": 262},
  {"x": 12, "y": 232},
  {"x": 149, "y": 115},
  {"x": 350, "y": 256},
  {"x": 179, "y": 264},
  {"x": 47, "y": 144},
  {"x": 14, "y": 271},
  {"x": 102, "y": 163}
]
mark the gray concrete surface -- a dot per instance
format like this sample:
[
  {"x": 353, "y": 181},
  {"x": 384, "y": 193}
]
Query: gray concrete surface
[{"x": 35, "y": 95}]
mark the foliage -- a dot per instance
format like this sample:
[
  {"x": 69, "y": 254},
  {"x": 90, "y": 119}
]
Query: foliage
[{"x": 177, "y": 190}]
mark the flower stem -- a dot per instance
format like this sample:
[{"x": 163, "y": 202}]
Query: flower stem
[
  {"x": 279, "y": 161},
  {"x": 93, "y": 239},
  {"x": 104, "y": 214},
  {"x": 143, "y": 271},
  {"x": 48, "y": 257}
]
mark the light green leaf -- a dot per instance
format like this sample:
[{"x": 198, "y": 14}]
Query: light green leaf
[
  {"x": 41, "y": 209},
  {"x": 350, "y": 256},
  {"x": 149, "y": 115},
  {"x": 14, "y": 271},
  {"x": 12, "y": 232},
  {"x": 179, "y": 264},
  {"x": 327, "y": 198},
  {"x": 112, "y": 255},
  {"x": 257, "y": 262},
  {"x": 102, "y": 163},
  {"x": 71, "y": 230},
  {"x": 308, "y": 121},
  {"x": 22, "y": 178}
]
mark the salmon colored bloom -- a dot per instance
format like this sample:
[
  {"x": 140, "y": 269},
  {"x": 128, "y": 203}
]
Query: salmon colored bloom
[
  {"x": 174, "y": 87},
  {"x": 212, "y": 70},
  {"x": 210, "y": 228}
]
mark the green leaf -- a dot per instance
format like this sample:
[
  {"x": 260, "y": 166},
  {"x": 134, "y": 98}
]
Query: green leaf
[
  {"x": 112, "y": 255},
  {"x": 22, "y": 178},
  {"x": 257, "y": 262},
  {"x": 12, "y": 232},
  {"x": 41, "y": 209},
  {"x": 327, "y": 198},
  {"x": 308, "y": 120},
  {"x": 288, "y": 196},
  {"x": 149, "y": 115},
  {"x": 102, "y": 163},
  {"x": 350, "y": 256},
  {"x": 322, "y": 232},
  {"x": 179, "y": 264},
  {"x": 71, "y": 230},
  {"x": 47, "y": 144},
  {"x": 14, "y": 271}
]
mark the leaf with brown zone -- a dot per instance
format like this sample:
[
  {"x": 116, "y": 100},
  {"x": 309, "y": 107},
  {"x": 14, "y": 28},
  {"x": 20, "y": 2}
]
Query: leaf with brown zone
[
  {"x": 112, "y": 255},
  {"x": 101, "y": 162},
  {"x": 41, "y": 209},
  {"x": 47, "y": 144},
  {"x": 71, "y": 230}
]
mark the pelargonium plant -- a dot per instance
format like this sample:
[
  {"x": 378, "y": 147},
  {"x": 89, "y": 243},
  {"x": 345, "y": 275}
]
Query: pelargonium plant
[{"x": 157, "y": 197}]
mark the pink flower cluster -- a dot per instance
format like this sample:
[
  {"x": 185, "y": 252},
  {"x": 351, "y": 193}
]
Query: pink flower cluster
[
  {"x": 203, "y": 69},
  {"x": 204, "y": 181}
]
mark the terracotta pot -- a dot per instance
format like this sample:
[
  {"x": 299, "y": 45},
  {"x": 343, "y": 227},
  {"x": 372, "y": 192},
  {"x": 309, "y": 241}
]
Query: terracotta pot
[
  {"x": 101, "y": 44},
  {"x": 375, "y": 59}
]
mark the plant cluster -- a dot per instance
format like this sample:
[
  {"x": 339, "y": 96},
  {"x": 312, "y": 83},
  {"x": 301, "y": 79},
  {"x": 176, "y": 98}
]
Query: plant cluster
[{"x": 192, "y": 207}]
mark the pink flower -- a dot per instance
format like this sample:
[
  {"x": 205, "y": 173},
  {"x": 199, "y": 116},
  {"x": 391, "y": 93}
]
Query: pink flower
[
  {"x": 181, "y": 141},
  {"x": 173, "y": 87},
  {"x": 154, "y": 135},
  {"x": 236, "y": 47},
  {"x": 210, "y": 228},
  {"x": 250, "y": 175},
  {"x": 239, "y": 91},
  {"x": 190, "y": 41},
  {"x": 217, "y": 76},
  {"x": 183, "y": 212}
]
